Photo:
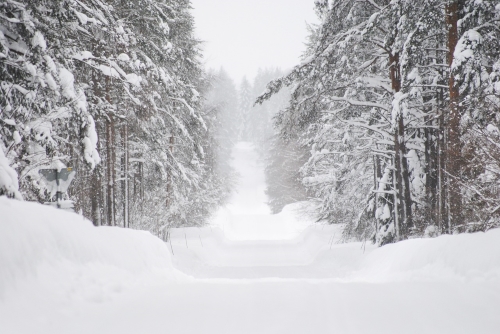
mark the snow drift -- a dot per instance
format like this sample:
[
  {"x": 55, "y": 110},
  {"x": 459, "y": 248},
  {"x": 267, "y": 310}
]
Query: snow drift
[
  {"x": 317, "y": 253},
  {"x": 59, "y": 248},
  {"x": 466, "y": 257}
]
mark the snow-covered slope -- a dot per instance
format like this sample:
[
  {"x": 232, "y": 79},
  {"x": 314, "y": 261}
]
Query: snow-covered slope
[
  {"x": 317, "y": 253},
  {"x": 60, "y": 249},
  {"x": 464, "y": 257},
  {"x": 61, "y": 275}
]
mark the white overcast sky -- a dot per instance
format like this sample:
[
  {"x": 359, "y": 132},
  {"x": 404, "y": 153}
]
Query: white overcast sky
[{"x": 245, "y": 35}]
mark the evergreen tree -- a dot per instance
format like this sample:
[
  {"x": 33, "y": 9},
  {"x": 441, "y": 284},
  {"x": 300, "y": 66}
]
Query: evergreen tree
[
  {"x": 111, "y": 88},
  {"x": 245, "y": 100},
  {"x": 283, "y": 177},
  {"x": 381, "y": 97}
]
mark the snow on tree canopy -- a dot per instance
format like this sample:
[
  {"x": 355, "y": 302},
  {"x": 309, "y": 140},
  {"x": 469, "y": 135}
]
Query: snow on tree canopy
[
  {"x": 109, "y": 71},
  {"x": 90, "y": 144},
  {"x": 66, "y": 79},
  {"x": 134, "y": 79},
  {"x": 8, "y": 178},
  {"x": 39, "y": 40},
  {"x": 84, "y": 55},
  {"x": 76, "y": 73},
  {"x": 465, "y": 47},
  {"x": 123, "y": 57},
  {"x": 49, "y": 79}
]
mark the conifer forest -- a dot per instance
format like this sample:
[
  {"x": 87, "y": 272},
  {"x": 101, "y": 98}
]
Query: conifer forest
[
  {"x": 390, "y": 121},
  {"x": 114, "y": 89},
  {"x": 398, "y": 104}
]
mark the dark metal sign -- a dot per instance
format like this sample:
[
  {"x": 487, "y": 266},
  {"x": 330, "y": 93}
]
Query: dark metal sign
[{"x": 58, "y": 181}]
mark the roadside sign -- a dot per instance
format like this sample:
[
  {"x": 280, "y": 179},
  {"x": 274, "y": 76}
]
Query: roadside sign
[{"x": 58, "y": 181}]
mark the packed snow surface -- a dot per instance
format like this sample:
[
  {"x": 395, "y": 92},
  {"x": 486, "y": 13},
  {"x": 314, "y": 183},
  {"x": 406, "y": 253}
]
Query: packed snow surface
[
  {"x": 59, "y": 274},
  {"x": 247, "y": 216}
]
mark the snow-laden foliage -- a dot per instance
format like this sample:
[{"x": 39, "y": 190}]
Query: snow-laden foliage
[
  {"x": 395, "y": 99},
  {"x": 283, "y": 178},
  {"x": 260, "y": 123},
  {"x": 245, "y": 101},
  {"x": 110, "y": 88}
]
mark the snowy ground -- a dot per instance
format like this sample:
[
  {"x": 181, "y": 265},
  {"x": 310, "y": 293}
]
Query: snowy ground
[{"x": 251, "y": 272}]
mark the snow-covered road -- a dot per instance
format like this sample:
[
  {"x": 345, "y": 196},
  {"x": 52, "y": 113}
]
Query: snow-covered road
[{"x": 250, "y": 272}]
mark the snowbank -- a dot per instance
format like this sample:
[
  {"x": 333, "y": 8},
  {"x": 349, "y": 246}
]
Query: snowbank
[
  {"x": 59, "y": 249},
  {"x": 317, "y": 253},
  {"x": 8, "y": 177},
  {"x": 466, "y": 257}
]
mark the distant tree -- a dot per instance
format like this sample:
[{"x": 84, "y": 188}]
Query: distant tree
[
  {"x": 245, "y": 100},
  {"x": 261, "y": 116},
  {"x": 283, "y": 177}
]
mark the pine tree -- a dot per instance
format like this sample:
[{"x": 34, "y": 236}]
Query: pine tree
[
  {"x": 410, "y": 120},
  {"x": 245, "y": 100},
  {"x": 111, "y": 88}
]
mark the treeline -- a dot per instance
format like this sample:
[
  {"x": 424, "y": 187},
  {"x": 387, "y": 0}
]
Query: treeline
[
  {"x": 240, "y": 120},
  {"x": 398, "y": 102},
  {"x": 282, "y": 157},
  {"x": 115, "y": 90}
]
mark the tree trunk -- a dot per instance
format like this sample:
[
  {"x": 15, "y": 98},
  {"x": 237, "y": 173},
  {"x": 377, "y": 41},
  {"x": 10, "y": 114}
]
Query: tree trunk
[
  {"x": 443, "y": 212},
  {"x": 396, "y": 205},
  {"x": 95, "y": 191},
  {"x": 111, "y": 157},
  {"x": 169, "y": 174},
  {"x": 95, "y": 196},
  {"x": 453, "y": 148},
  {"x": 400, "y": 161},
  {"x": 431, "y": 162},
  {"x": 141, "y": 181},
  {"x": 111, "y": 171},
  {"x": 125, "y": 190},
  {"x": 408, "y": 215},
  {"x": 376, "y": 178}
]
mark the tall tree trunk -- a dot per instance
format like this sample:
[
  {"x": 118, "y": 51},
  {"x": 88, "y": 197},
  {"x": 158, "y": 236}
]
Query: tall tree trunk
[
  {"x": 376, "y": 178},
  {"x": 111, "y": 170},
  {"x": 96, "y": 182},
  {"x": 408, "y": 215},
  {"x": 400, "y": 162},
  {"x": 169, "y": 173},
  {"x": 397, "y": 203},
  {"x": 443, "y": 189},
  {"x": 95, "y": 188},
  {"x": 95, "y": 196},
  {"x": 431, "y": 155},
  {"x": 141, "y": 181},
  {"x": 111, "y": 157},
  {"x": 453, "y": 164},
  {"x": 431, "y": 185},
  {"x": 125, "y": 190}
]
